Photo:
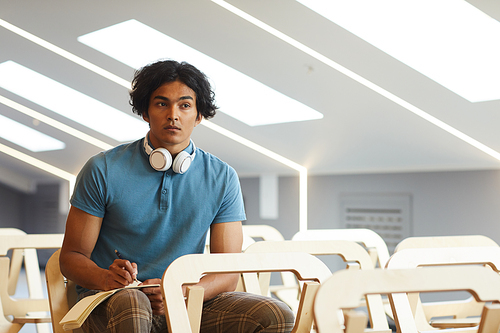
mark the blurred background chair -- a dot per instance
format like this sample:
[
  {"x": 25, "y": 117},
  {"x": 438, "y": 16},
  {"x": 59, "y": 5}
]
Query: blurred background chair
[
  {"x": 262, "y": 232},
  {"x": 374, "y": 244},
  {"x": 444, "y": 241},
  {"x": 459, "y": 313},
  {"x": 344, "y": 289},
  {"x": 23, "y": 248}
]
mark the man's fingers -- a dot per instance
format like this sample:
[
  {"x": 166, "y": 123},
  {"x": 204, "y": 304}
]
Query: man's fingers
[{"x": 124, "y": 271}]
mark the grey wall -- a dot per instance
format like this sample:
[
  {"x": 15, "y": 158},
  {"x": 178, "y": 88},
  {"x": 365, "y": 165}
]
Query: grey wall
[
  {"x": 443, "y": 203},
  {"x": 10, "y": 207},
  {"x": 32, "y": 212},
  {"x": 35, "y": 213}
]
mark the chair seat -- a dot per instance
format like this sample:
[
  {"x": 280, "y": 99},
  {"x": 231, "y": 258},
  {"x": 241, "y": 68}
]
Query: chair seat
[
  {"x": 455, "y": 323},
  {"x": 31, "y": 320}
]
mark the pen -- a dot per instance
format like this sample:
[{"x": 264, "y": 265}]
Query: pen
[{"x": 119, "y": 255}]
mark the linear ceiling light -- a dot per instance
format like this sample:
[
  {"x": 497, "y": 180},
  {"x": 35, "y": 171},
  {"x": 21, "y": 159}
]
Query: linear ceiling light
[
  {"x": 38, "y": 163},
  {"x": 231, "y": 86},
  {"x": 70, "y": 103},
  {"x": 27, "y": 137},
  {"x": 54, "y": 123},
  {"x": 65, "y": 54},
  {"x": 450, "y": 41},
  {"x": 370, "y": 85}
]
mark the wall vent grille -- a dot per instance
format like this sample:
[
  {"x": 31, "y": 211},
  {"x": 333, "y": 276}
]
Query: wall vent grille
[{"x": 389, "y": 215}]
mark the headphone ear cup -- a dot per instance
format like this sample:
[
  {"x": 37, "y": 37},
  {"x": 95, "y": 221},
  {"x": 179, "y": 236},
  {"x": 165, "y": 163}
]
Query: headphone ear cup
[
  {"x": 182, "y": 162},
  {"x": 160, "y": 159}
]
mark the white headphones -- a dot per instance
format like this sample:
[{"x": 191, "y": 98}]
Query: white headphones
[{"x": 161, "y": 159}]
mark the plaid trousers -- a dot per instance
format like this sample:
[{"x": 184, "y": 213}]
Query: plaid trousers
[{"x": 230, "y": 312}]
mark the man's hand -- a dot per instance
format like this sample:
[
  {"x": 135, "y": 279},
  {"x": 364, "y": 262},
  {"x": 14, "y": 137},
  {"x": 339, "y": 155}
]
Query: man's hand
[
  {"x": 155, "y": 297},
  {"x": 121, "y": 273}
]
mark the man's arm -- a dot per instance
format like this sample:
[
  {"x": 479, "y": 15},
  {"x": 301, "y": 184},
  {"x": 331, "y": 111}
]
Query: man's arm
[
  {"x": 82, "y": 231},
  {"x": 224, "y": 238}
]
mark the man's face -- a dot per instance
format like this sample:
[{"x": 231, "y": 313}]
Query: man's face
[{"x": 172, "y": 115}]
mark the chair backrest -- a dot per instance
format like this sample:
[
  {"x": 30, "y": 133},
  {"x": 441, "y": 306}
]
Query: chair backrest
[
  {"x": 62, "y": 293},
  {"x": 344, "y": 289},
  {"x": 264, "y": 231},
  {"x": 349, "y": 251},
  {"x": 410, "y": 305},
  {"x": 375, "y": 245},
  {"x": 412, "y": 258},
  {"x": 247, "y": 241},
  {"x": 189, "y": 268},
  {"x": 25, "y": 245},
  {"x": 444, "y": 241},
  {"x": 16, "y": 262},
  {"x": 250, "y": 232}
]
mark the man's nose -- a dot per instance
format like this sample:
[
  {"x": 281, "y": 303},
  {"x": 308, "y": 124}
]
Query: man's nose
[{"x": 172, "y": 114}]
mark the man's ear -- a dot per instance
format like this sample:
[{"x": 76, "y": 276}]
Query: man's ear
[
  {"x": 198, "y": 120},
  {"x": 145, "y": 116}
]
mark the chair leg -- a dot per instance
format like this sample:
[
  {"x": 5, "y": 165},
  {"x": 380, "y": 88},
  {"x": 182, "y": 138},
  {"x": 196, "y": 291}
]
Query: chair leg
[
  {"x": 304, "y": 320},
  {"x": 194, "y": 305},
  {"x": 490, "y": 319},
  {"x": 355, "y": 321}
]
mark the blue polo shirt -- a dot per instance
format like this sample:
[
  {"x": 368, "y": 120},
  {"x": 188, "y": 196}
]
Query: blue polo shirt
[{"x": 153, "y": 217}]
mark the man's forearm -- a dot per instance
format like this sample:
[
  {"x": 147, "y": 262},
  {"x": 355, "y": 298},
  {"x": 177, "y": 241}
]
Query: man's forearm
[
  {"x": 83, "y": 271},
  {"x": 215, "y": 284}
]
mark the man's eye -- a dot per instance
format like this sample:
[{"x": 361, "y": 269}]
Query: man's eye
[{"x": 186, "y": 105}]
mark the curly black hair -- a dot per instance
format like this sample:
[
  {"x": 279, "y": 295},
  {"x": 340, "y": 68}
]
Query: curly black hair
[{"x": 150, "y": 77}]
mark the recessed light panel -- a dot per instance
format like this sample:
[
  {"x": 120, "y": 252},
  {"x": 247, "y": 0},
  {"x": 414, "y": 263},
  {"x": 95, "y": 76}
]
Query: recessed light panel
[
  {"x": 70, "y": 103},
  {"x": 449, "y": 41},
  {"x": 27, "y": 137},
  {"x": 234, "y": 90}
]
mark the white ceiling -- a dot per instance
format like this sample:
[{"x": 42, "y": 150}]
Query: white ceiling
[{"x": 361, "y": 132}]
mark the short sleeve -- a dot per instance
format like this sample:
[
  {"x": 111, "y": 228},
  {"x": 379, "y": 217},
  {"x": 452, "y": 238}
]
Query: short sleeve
[
  {"x": 89, "y": 194},
  {"x": 232, "y": 207}
]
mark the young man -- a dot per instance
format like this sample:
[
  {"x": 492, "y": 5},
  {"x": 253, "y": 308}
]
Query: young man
[{"x": 154, "y": 200}]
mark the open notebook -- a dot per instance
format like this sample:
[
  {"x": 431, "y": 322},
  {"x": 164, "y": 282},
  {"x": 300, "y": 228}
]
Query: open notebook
[{"x": 81, "y": 310}]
